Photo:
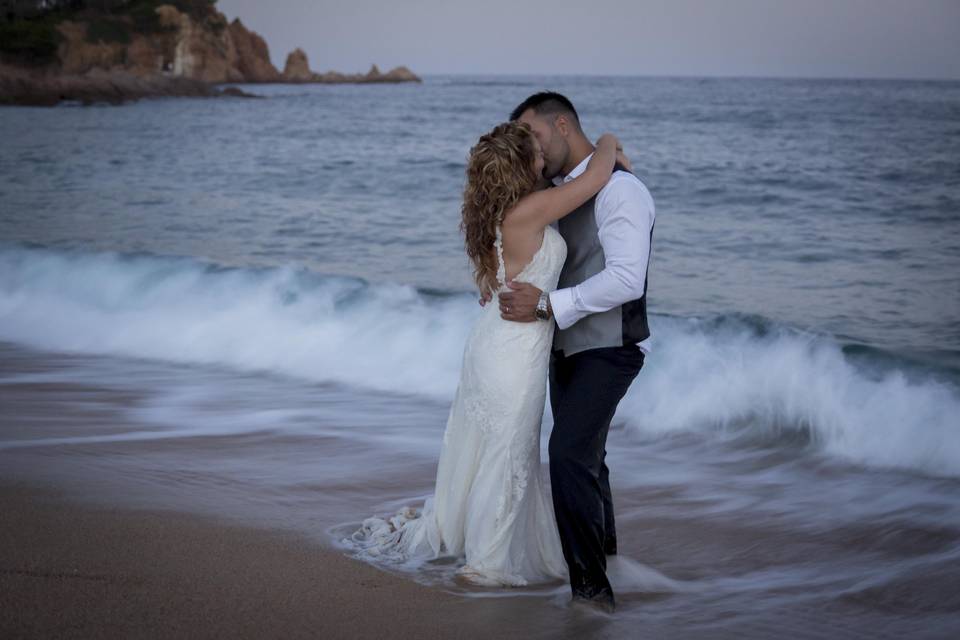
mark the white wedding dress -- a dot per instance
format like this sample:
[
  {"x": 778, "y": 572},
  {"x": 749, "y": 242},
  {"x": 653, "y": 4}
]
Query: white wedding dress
[{"x": 490, "y": 504}]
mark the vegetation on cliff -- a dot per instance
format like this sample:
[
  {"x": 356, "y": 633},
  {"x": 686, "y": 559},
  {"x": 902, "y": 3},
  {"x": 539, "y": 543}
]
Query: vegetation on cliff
[{"x": 29, "y": 33}]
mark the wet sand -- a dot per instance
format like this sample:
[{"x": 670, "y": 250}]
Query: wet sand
[{"x": 78, "y": 571}]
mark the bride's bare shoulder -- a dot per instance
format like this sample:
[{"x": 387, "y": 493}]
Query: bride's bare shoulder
[{"x": 518, "y": 215}]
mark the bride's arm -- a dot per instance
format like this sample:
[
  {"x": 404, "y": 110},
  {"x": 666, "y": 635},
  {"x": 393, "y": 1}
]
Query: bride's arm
[{"x": 540, "y": 208}]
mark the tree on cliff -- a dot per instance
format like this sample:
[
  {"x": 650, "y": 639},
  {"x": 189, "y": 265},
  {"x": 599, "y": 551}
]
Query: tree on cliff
[
  {"x": 29, "y": 35},
  {"x": 19, "y": 9}
]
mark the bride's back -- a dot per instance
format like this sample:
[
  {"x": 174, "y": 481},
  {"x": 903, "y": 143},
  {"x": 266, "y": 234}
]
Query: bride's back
[
  {"x": 520, "y": 245},
  {"x": 541, "y": 267}
]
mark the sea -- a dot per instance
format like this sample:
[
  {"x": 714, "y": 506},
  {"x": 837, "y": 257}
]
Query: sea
[{"x": 256, "y": 308}]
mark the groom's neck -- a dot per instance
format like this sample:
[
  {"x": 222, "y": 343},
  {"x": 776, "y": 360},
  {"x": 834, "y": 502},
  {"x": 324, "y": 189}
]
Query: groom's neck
[{"x": 580, "y": 148}]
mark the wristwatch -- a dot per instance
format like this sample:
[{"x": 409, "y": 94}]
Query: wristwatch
[{"x": 541, "y": 312}]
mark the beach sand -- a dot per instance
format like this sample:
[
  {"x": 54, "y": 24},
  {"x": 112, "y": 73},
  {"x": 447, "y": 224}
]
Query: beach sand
[
  {"x": 77, "y": 571},
  {"x": 106, "y": 539}
]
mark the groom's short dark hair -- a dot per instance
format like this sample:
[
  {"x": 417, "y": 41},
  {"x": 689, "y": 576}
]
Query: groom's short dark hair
[{"x": 546, "y": 102}]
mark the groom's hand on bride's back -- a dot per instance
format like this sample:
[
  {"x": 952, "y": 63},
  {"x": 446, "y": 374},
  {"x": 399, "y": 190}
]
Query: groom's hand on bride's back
[{"x": 520, "y": 303}]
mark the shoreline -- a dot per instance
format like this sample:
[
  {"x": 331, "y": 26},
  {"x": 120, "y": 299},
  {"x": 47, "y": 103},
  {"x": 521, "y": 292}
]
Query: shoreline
[
  {"x": 71, "y": 569},
  {"x": 20, "y": 88}
]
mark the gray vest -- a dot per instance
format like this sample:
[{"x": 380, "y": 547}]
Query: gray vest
[{"x": 626, "y": 324}]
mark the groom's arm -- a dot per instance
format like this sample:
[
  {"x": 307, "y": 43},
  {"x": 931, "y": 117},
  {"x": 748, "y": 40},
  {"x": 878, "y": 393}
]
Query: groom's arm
[{"x": 625, "y": 214}]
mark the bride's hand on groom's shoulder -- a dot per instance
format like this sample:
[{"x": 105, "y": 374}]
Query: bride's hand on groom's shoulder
[
  {"x": 611, "y": 138},
  {"x": 621, "y": 156}
]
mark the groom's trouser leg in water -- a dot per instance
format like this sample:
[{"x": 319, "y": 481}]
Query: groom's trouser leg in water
[
  {"x": 609, "y": 523},
  {"x": 585, "y": 390}
]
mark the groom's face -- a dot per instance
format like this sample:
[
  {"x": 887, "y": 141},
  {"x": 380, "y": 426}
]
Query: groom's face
[{"x": 554, "y": 144}]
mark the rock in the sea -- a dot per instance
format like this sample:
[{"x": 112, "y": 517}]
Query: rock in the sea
[
  {"x": 401, "y": 74},
  {"x": 253, "y": 55},
  {"x": 331, "y": 77},
  {"x": 297, "y": 68},
  {"x": 237, "y": 92},
  {"x": 398, "y": 74}
]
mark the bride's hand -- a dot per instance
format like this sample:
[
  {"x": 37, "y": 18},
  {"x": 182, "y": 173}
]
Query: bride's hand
[
  {"x": 603, "y": 159},
  {"x": 609, "y": 140},
  {"x": 621, "y": 157},
  {"x": 607, "y": 146}
]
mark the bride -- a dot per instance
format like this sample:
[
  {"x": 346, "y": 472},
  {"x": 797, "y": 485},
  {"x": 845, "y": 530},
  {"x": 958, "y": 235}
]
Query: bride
[{"x": 490, "y": 505}]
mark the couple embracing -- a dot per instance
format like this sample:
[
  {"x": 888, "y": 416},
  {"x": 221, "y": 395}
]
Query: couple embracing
[{"x": 559, "y": 231}]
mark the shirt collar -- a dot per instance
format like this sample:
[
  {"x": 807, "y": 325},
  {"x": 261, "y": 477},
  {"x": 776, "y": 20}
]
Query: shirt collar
[{"x": 576, "y": 171}]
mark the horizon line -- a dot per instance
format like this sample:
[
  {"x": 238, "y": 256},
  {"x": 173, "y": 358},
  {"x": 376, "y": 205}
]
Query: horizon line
[{"x": 684, "y": 76}]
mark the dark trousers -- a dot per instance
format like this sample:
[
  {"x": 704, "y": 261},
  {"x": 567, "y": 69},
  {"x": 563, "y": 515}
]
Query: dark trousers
[{"x": 585, "y": 389}]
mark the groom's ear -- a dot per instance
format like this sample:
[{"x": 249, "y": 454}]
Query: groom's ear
[{"x": 562, "y": 124}]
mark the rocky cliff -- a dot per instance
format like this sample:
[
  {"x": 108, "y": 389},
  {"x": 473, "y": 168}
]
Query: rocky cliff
[
  {"x": 209, "y": 50},
  {"x": 253, "y": 55},
  {"x": 94, "y": 55},
  {"x": 196, "y": 45}
]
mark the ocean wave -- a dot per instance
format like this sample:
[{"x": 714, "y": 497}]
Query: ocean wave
[
  {"x": 749, "y": 376},
  {"x": 727, "y": 373},
  {"x": 284, "y": 320}
]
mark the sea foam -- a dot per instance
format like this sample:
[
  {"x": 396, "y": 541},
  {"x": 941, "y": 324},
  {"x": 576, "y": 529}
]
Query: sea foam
[{"x": 728, "y": 373}]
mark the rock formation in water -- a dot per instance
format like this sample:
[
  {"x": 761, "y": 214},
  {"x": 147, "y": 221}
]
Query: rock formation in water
[
  {"x": 297, "y": 69},
  {"x": 253, "y": 55}
]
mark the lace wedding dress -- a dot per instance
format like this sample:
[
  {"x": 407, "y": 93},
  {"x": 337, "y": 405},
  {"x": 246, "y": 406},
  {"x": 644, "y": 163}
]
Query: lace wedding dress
[{"x": 490, "y": 504}]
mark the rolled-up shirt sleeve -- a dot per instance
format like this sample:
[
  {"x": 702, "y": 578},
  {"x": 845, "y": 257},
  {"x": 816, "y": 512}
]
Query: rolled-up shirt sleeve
[{"x": 624, "y": 213}]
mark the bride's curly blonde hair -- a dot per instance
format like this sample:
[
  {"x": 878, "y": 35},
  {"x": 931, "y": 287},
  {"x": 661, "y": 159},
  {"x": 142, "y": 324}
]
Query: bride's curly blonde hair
[{"x": 499, "y": 172}]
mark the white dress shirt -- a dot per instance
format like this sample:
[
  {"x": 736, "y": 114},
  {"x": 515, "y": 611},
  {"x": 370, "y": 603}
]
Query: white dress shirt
[{"x": 624, "y": 213}]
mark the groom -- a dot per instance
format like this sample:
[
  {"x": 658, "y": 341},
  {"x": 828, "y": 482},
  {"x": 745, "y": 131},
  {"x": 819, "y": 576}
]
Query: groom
[{"x": 600, "y": 307}]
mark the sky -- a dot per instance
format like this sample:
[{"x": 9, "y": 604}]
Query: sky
[{"x": 781, "y": 38}]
